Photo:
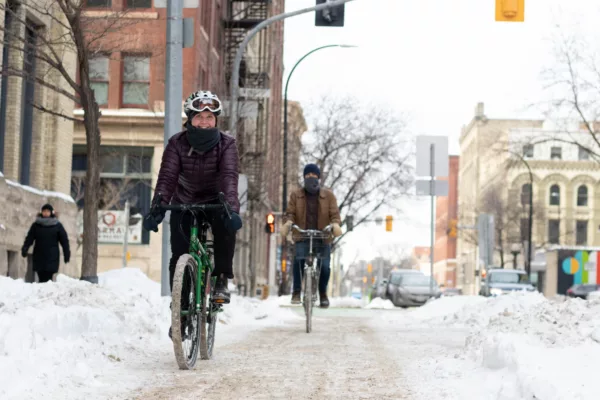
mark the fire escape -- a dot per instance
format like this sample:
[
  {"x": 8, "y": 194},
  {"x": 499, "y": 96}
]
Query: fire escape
[
  {"x": 254, "y": 77},
  {"x": 251, "y": 120}
]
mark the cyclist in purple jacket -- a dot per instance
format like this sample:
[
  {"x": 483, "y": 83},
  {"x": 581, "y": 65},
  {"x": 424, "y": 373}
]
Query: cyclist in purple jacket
[{"x": 197, "y": 164}]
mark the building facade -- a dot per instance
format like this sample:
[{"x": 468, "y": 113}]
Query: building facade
[
  {"x": 494, "y": 177},
  {"x": 129, "y": 86},
  {"x": 35, "y": 146},
  {"x": 446, "y": 214}
]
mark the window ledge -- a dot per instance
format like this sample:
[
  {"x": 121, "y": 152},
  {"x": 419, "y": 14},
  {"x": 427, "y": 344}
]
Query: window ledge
[{"x": 121, "y": 14}]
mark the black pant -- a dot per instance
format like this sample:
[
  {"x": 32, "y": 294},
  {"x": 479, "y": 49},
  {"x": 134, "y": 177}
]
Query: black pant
[
  {"x": 44, "y": 276},
  {"x": 224, "y": 242}
]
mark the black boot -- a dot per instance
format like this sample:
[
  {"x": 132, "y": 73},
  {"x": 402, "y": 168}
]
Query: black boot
[
  {"x": 296, "y": 298},
  {"x": 222, "y": 295},
  {"x": 324, "y": 300}
]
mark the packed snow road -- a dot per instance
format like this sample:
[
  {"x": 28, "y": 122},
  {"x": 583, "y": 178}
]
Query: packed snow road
[{"x": 346, "y": 356}]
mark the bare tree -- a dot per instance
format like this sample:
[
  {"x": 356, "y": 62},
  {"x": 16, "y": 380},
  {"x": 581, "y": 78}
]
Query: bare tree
[
  {"x": 574, "y": 84},
  {"x": 71, "y": 36},
  {"x": 362, "y": 152}
]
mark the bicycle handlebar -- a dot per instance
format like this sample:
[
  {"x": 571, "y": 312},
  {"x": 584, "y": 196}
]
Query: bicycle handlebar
[
  {"x": 195, "y": 207},
  {"x": 313, "y": 232}
]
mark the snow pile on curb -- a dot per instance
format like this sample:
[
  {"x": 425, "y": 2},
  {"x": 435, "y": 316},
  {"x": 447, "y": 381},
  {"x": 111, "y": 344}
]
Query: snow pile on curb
[
  {"x": 536, "y": 347},
  {"x": 379, "y": 303},
  {"x": 71, "y": 339}
]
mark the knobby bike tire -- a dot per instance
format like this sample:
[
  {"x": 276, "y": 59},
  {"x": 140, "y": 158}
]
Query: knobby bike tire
[
  {"x": 208, "y": 319},
  {"x": 308, "y": 299},
  {"x": 186, "y": 357}
]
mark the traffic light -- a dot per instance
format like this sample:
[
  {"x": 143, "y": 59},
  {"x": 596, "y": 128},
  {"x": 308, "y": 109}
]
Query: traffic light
[
  {"x": 510, "y": 10},
  {"x": 452, "y": 229},
  {"x": 270, "y": 225},
  {"x": 388, "y": 223},
  {"x": 333, "y": 16},
  {"x": 364, "y": 279},
  {"x": 369, "y": 268}
]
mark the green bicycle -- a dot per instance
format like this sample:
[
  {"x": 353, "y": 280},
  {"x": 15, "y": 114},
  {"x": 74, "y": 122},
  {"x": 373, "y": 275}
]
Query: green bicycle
[{"x": 194, "y": 311}]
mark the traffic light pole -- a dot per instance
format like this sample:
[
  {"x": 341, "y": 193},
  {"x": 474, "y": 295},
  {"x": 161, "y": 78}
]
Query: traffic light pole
[{"x": 235, "y": 74}]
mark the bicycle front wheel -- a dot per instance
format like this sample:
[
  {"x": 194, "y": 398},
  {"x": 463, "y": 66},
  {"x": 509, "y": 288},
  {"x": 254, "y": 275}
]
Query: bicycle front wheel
[
  {"x": 308, "y": 299},
  {"x": 184, "y": 319},
  {"x": 208, "y": 319}
]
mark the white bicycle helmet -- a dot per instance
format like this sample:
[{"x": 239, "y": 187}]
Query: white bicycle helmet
[{"x": 200, "y": 101}]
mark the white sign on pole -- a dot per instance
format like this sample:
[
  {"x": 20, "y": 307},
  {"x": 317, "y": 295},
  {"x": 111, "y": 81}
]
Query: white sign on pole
[
  {"x": 440, "y": 144},
  {"x": 111, "y": 227},
  {"x": 440, "y": 188}
]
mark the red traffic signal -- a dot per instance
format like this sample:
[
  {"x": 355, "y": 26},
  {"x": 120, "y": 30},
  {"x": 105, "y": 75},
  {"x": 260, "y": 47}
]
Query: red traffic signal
[{"x": 270, "y": 224}]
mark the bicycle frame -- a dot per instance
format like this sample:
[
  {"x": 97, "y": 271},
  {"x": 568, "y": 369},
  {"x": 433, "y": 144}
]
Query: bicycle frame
[{"x": 199, "y": 251}]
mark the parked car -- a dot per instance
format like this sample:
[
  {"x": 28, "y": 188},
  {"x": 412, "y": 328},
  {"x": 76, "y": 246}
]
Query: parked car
[
  {"x": 379, "y": 289},
  {"x": 451, "y": 292},
  {"x": 582, "y": 290},
  {"x": 501, "y": 281},
  {"x": 394, "y": 281},
  {"x": 356, "y": 293},
  {"x": 414, "y": 290}
]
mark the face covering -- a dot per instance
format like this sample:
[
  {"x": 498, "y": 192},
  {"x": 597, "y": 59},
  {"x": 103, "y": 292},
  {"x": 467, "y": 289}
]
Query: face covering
[
  {"x": 202, "y": 140},
  {"x": 311, "y": 185}
]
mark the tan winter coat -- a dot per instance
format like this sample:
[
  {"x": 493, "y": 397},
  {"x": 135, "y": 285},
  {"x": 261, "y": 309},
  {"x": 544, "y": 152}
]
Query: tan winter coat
[{"x": 328, "y": 210}]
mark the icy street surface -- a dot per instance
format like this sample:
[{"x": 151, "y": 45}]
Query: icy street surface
[{"x": 72, "y": 340}]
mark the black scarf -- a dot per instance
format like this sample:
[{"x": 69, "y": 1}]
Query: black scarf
[{"x": 202, "y": 140}]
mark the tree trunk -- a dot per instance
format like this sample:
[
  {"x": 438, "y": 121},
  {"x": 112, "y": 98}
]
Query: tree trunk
[{"x": 89, "y": 266}]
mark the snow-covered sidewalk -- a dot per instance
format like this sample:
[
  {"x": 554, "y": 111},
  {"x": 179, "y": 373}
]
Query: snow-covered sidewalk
[
  {"x": 518, "y": 346},
  {"x": 71, "y": 340}
]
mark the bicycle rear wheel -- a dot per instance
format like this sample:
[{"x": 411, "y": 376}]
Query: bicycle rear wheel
[
  {"x": 184, "y": 319},
  {"x": 308, "y": 299},
  {"x": 209, "y": 318}
]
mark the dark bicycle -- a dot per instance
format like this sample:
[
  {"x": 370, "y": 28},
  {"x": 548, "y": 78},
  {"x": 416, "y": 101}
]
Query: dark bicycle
[
  {"x": 194, "y": 311},
  {"x": 312, "y": 270}
]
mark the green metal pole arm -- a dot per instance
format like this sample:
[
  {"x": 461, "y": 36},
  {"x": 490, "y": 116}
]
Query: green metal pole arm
[{"x": 287, "y": 82}]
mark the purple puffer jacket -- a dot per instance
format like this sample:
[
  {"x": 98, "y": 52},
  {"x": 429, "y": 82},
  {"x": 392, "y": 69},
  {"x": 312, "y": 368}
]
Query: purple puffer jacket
[{"x": 191, "y": 178}]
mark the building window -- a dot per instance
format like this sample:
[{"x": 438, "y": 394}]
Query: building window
[
  {"x": 583, "y": 154},
  {"x": 98, "y": 3},
  {"x": 581, "y": 233},
  {"x": 136, "y": 80},
  {"x": 556, "y": 153},
  {"x": 99, "y": 79},
  {"x": 555, "y": 195},
  {"x": 525, "y": 194},
  {"x": 28, "y": 100},
  {"x": 582, "y": 196},
  {"x": 126, "y": 175},
  {"x": 554, "y": 231},
  {"x": 528, "y": 151},
  {"x": 139, "y": 3}
]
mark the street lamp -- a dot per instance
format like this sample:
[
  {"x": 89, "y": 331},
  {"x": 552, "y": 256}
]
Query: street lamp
[
  {"x": 285, "y": 133},
  {"x": 285, "y": 116},
  {"x": 515, "y": 250}
]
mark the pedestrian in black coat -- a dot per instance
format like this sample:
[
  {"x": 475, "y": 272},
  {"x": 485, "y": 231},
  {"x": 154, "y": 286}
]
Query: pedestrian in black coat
[{"x": 46, "y": 232}]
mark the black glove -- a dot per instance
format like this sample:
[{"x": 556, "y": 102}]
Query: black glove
[
  {"x": 232, "y": 224},
  {"x": 152, "y": 220},
  {"x": 67, "y": 260},
  {"x": 24, "y": 252}
]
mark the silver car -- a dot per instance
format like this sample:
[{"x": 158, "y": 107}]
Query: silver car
[{"x": 414, "y": 290}]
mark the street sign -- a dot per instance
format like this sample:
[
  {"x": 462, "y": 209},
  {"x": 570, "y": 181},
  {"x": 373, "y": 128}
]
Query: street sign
[
  {"x": 243, "y": 192},
  {"x": 440, "y": 188},
  {"x": 440, "y": 166},
  {"x": 485, "y": 238}
]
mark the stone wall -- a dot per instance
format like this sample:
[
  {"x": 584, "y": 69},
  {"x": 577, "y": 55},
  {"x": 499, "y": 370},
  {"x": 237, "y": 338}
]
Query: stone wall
[{"x": 20, "y": 205}]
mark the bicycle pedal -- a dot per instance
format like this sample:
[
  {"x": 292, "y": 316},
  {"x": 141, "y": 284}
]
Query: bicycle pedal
[{"x": 220, "y": 301}]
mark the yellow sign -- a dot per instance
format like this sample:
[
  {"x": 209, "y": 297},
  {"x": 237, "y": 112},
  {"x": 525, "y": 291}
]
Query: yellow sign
[
  {"x": 510, "y": 10},
  {"x": 388, "y": 223},
  {"x": 283, "y": 265},
  {"x": 128, "y": 256}
]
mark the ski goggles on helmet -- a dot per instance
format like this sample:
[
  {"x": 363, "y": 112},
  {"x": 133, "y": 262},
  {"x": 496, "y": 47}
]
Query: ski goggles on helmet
[{"x": 202, "y": 104}]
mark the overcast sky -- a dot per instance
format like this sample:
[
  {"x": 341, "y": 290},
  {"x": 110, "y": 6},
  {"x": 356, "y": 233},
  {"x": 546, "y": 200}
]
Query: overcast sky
[{"x": 433, "y": 60}]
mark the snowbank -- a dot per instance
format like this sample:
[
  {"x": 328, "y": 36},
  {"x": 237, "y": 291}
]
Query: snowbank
[
  {"x": 43, "y": 193},
  {"x": 536, "y": 347},
  {"x": 70, "y": 339},
  {"x": 379, "y": 303}
]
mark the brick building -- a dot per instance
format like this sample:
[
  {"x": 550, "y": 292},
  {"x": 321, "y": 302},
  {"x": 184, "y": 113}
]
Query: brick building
[
  {"x": 446, "y": 214},
  {"x": 129, "y": 86},
  {"x": 35, "y": 147}
]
